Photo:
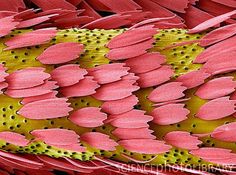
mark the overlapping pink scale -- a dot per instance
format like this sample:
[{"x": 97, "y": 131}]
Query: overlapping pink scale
[
  {"x": 216, "y": 88},
  {"x": 109, "y": 73},
  {"x": 33, "y": 38},
  {"x": 222, "y": 63},
  {"x": 195, "y": 16},
  {"x": 193, "y": 79},
  {"x": 135, "y": 133},
  {"x": 217, "y": 109},
  {"x": 146, "y": 146},
  {"x": 27, "y": 78},
  {"x": 218, "y": 35},
  {"x": 116, "y": 90},
  {"x": 146, "y": 62},
  {"x": 88, "y": 117},
  {"x": 182, "y": 139},
  {"x": 225, "y": 132},
  {"x": 68, "y": 75},
  {"x": 132, "y": 119},
  {"x": 119, "y": 106},
  {"x": 108, "y": 22},
  {"x": 43, "y": 89},
  {"x": 14, "y": 138},
  {"x": 39, "y": 97},
  {"x": 216, "y": 155},
  {"x": 7, "y": 25},
  {"x": 84, "y": 87},
  {"x": 132, "y": 37},
  {"x": 61, "y": 138},
  {"x": 169, "y": 114},
  {"x": 132, "y": 43},
  {"x": 167, "y": 92},
  {"x": 46, "y": 109},
  {"x": 99, "y": 140},
  {"x": 34, "y": 21},
  {"x": 211, "y": 52},
  {"x": 212, "y": 22},
  {"x": 60, "y": 52},
  {"x": 130, "y": 51},
  {"x": 155, "y": 77},
  {"x": 58, "y": 4},
  {"x": 178, "y": 6}
]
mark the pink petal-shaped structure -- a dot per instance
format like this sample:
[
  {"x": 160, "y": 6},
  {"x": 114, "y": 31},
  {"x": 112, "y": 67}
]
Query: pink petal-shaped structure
[
  {"x": 167, "y": 92},
  {"x": 86, "y": 86},
  {"x": 222, "y": 63},
  {"x": 177, "y": 5},
  {"x": 34, "y": 21},
  {"x": 68, "y": 75},
  {"x": 218, "y": 35},
  {"x": 36, "y": 37},
  {"x": 132, "y": 119},
  {"x": 108, "y": 22},
  {"x": 88, "y": 117},
  {"x": 7, "y": 25},
  {"x": 216, "y": 88},
  {"x": 27, "y": 78},
  {"x": 213, "y": 153},
  {"x": 39, "y": 97},
  {"x": 58, "y": 54},
  {"x": 127, "y": 5},
  {"x": 217, "y": 109},
  {"x": 212, "y": 52},
  {"x": 56, "y": 136},
  {"x": 54, "y": 4},
  {"x": 3, "y": 73},
  {"x": 120, "y": 106},
  {"x": 132, "y": 37},
  {"x": 45, "y": 88},
  {"x": 108, "y": 73},
  {"x": 155, "y": 77},
  {"x": 130, "y": 51},
  {"x": 157, "y": 11},
  {"x": 116, "y": 91},
  {"x": 130, "y": 76},
  {"x": 225, "y": 132},
  {"x": 99, "y": 141},
  {"x": 133, "y": 133},
  {"x": 46, "y": 109},
  {"x": 212, "y": 22},
  {"x": 145, "y": 146},
  {"x": 216, "y": 155},
  {"x": 182, "y": 139},
  {"x": 146, "y": 62},
  {"x": 193, "y": 79},
  {"x": 169, "y": 114},
  {"x": 14, "y": 138},
  {"x": 195, "y": 16}
]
